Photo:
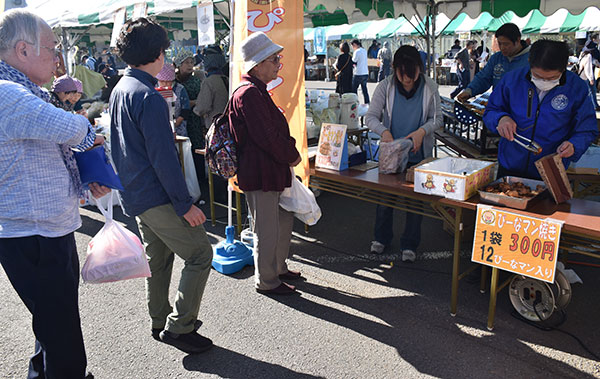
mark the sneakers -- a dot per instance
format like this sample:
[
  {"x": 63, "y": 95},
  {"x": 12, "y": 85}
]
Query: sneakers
[
  {"x": 156, "y": 331},
  {"x": 191, "y": 343},
  {"x": 408, "y": 256},
  {"x": 377, "y": 247}
]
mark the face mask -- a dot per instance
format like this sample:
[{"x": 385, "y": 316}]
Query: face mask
[{"x": 545, "y": 85}]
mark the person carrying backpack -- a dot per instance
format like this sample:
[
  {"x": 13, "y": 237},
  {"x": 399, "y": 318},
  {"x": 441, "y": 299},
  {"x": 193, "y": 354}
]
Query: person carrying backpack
[{"x": 266, "y": 151}]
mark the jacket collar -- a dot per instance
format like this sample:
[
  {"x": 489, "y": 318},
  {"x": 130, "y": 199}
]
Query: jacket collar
[
  {"x": 411, "y": 93},
  {"x": 254, "y": 80},
  {"x": 142, "y": 76},
  {"x": 524, "y": 50}
]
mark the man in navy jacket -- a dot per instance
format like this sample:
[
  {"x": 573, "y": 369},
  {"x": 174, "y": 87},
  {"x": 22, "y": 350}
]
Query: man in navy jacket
[
  {"x": 545, "y": 103},
  {"x": 155, "y": 193},
  {"x": 513, "y": 55}
]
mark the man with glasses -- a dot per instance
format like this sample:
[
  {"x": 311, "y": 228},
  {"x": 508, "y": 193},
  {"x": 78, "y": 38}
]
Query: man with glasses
[
  {"x": 544, "y": 103},
  {"x": 39, "y": 189}
]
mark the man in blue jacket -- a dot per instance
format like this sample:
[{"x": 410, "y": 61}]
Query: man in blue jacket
[
  {"x": 155, "y": 193},
  {"x": 513, "y": 54},
  {"x": 546, "y": 104}
]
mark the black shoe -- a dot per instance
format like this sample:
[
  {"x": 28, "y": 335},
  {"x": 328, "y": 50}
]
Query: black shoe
[
  {"x": 89, "y": 375},
  {"x": 191, "y": 343},
  {"x": 156, "y": 331},
  {"x": 282, "y": 289},
  {"x": 291, "y": 275}
]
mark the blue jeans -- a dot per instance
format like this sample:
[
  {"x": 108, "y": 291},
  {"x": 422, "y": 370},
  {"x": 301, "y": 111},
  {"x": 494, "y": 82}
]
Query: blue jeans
[
  {"x": 464, "y": 78},
  {"x": 593, "y": 89},
  {"x": 361, "y": 80},
  {"x": 45, "y": 273},
  {"x": 384, "y": 219}
]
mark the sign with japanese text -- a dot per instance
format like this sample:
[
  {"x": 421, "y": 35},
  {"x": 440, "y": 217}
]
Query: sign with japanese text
[
  {"x": 332, "y": 151},
  {"x": 206, "y": 24},
  {"x": 520, "y": 244},
  {"x": 283, "y": 22}
]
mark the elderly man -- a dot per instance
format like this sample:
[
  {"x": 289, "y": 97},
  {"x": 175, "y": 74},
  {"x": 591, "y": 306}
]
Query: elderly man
[{"x": 39, "y": 186}]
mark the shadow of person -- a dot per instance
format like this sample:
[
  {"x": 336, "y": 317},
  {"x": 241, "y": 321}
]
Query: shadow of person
[
  {"x": 426, "y": 336},
  {"x": 229, "y": 364}
]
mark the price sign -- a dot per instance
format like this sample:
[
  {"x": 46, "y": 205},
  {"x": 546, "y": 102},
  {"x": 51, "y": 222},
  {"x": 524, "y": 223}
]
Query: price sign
[{"x": 520, "y": 244}]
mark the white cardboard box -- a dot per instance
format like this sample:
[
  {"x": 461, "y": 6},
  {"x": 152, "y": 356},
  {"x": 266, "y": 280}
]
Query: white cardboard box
[{"x": 454, "y": 178}]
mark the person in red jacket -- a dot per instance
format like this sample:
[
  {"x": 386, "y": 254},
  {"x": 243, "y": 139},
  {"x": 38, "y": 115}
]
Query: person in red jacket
[{"x": 266, "y": 151}]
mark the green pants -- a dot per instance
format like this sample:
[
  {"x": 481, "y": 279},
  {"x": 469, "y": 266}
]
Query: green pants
[{"x": 165, "y": 234}]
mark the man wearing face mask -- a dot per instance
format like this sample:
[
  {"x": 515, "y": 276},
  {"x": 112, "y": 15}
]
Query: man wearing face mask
[
  {"x": 546, "y": 104},
  {"x": 513, "y": 55}
]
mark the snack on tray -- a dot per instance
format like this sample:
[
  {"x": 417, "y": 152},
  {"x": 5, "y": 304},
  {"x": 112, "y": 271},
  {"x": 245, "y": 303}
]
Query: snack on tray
[{"x": 516, "y": 189}]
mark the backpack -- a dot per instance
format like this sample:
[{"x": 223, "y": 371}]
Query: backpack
[{"x": 221, "y": 148}]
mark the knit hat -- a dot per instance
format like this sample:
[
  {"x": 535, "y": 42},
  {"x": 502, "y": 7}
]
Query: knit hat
[
  {"x": 256, "y": 48},
  {"x": 64, "y": 84},
  {"x": 167, "y": 73},
  {"x": 182, "y": 55},
  {"x": 79, "y": 85}
]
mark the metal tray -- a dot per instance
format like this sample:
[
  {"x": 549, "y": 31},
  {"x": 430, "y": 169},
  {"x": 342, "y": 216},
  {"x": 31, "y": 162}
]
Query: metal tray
[{"x": 509, "y": 201}]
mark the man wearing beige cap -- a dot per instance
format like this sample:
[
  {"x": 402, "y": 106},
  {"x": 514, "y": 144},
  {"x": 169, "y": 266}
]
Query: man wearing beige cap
[{"x": 266, "y": 151}]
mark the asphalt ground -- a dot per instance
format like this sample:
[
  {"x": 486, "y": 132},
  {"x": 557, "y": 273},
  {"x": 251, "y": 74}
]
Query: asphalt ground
[{"x": 359, "y": 315}]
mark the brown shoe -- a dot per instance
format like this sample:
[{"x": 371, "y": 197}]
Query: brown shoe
[
  {"x": 291, "y": 275},
  {"x": 282, "y": 289}
]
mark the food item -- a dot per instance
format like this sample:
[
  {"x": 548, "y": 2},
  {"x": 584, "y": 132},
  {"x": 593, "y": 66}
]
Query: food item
[
  {"x": 325, "y": 148},
  {"x": 515, "y": 189}
]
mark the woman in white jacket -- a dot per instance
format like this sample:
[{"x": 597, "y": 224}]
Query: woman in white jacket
[{"x": 405, "y": 105}]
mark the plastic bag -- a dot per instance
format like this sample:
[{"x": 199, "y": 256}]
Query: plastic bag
[
  {"x": 301, "y": 201},
  {"x": 114, "y": 253},
  {"x": 393, "y": 156},
  {"x": 191, "y": 180}
]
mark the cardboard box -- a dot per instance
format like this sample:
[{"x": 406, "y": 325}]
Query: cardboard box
[
  {"x": 552, "y": 170},
  {"x": 410, "y": 173},
  {"x": 454, "y": 178}
]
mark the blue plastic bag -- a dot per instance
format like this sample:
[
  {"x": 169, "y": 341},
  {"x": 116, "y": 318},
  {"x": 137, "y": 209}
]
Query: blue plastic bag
[{"x": 94, "y": 167}]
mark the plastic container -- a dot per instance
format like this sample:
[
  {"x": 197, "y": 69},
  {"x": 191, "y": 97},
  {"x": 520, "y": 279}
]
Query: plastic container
[{"x": 349, "y": 111}]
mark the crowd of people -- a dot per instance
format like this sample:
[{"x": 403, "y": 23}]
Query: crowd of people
[{"x": 39, "y": 130}]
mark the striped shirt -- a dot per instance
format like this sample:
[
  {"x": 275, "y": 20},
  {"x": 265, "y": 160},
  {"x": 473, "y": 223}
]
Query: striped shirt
[{"x": 36, "y": 197}]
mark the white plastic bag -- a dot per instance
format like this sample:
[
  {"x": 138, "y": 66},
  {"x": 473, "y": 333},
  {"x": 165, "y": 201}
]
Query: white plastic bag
[
  {"x": 393, "y": 156},
  {"x": 114, "y": 253},
  {"x": 301, "y": 201},
  {"x": 191, "y": 180}
]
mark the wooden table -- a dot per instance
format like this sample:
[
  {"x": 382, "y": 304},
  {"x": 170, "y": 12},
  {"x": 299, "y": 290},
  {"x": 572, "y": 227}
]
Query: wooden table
[{"x": 581, "y": 228}]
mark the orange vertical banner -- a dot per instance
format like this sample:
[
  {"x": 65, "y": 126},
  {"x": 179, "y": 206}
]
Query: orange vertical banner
[{"x": 283, "y": 22}]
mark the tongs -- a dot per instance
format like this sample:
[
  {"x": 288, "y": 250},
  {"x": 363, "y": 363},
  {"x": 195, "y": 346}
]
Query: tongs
[{"x": 530, "y": 145}]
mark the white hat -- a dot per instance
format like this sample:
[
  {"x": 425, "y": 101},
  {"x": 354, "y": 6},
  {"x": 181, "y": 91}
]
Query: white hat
[{"x": 256, "y": 48}]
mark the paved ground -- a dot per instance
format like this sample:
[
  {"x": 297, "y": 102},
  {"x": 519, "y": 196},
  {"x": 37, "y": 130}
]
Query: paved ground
[{"x": 359, "y": 316}]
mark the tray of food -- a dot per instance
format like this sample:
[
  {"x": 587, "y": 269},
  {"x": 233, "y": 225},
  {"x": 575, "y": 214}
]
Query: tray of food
[{"x": 512, "y": 192}]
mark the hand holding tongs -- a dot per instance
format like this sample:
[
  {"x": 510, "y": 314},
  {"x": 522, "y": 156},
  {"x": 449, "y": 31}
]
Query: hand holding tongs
[{"x": 532, "y": 146}]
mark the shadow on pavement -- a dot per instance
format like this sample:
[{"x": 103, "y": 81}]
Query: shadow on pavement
[{"x": 229, "y": 364}]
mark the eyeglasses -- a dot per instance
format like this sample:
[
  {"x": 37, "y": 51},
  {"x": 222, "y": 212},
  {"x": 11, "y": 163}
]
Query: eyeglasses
[
  {"x": 275, "y": 60},
  {"x": 55, "y": 51}
]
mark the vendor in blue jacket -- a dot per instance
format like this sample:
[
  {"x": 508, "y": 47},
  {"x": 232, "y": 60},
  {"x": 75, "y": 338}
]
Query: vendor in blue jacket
[
  {"x": 513, "y": 55},
  {"x": 544, "y": 103}
]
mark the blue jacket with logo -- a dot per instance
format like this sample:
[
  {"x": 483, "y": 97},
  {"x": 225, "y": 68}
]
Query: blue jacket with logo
[
  {"x": 494, "y": 70},
  {"x": 566, "y": 113}
]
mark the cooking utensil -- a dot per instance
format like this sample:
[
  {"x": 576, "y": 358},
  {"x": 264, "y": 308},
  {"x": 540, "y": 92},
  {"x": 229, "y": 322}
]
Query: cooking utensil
[{"x": 528, "y": 144}]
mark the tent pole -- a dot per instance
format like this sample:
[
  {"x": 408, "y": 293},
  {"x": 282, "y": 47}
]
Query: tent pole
[{"x": 433, "y": 20}]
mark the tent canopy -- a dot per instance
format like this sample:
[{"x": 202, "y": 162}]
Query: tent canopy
[{"x": 363, "y": 10}]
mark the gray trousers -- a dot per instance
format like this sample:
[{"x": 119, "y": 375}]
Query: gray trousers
[
  {"x": 165, "y": 234},
  {"x": 273, "y": 227}
]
